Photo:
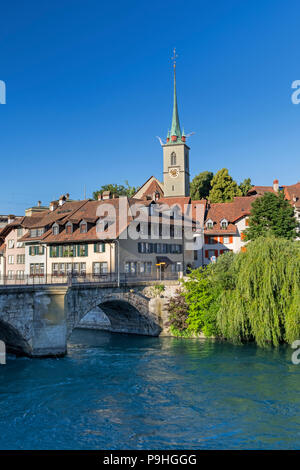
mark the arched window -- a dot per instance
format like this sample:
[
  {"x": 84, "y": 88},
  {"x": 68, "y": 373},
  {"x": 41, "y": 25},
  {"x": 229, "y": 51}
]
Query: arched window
[{"x": 173, "y": 158}]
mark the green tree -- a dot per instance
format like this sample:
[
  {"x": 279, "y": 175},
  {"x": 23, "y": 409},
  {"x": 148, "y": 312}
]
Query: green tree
[
  {"x": 200, "y": 185},
  {"x": 271, "y": 214},
  {"x": 178, "y": 313},
  {"x": 245, "y": 186},
  {"x": 263, "y": 302},
  {"x": 117, "y": 190},
  {"x": 223, "y": 187}
]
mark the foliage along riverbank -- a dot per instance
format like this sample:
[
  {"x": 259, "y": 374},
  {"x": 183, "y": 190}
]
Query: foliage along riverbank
[{"x": 249, "y": 296}]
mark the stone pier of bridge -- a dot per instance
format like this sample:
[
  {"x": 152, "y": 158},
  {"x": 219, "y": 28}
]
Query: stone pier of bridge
[{"x": 37, "y": 321}]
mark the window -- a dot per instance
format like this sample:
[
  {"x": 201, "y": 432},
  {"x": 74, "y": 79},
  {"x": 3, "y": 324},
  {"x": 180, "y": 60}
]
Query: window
[
  {"x": 175, "y": 249},
  {"x": 173, "y": 158},
  {"x": 226, "y": 240},
  {"x": 20, "y": 259},
  {"x": 145, "y": 247},
  {"x": 100, "y": 268},
  {"x": 19, "y": 232},
  {"x": 176, "y": 267},
  {"x": 20, "y": 274},
  {"x": 11, "y": 243},
  {"x": 20, "y": 244},
  {"x": 36, "y": 269},
  {"x": 83, "y": 227},
  {"x": 11, "y": 259},
  {"x": 209, "y": 224},
  {"x": 99, "y": 247},
  {"x": 36, "y": 250},
  {"x": 55, "y": 269},
  {"x": 224, "y": 224},
  {"x": 82, "y": 250},
  {"x": 131, "y": 267},
  {"x": 146, "y": 267},
  {"x": 10, "y": 274},
  {"x": 69, "y": 228},
  {"x": 55, "y": 229}
]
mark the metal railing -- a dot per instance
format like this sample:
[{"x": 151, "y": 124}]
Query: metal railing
[{"x": 78, "y": 279}]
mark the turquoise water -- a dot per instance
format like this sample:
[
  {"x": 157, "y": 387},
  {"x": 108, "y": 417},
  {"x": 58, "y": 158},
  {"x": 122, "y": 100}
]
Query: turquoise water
[{"x": 130, "y": 392}]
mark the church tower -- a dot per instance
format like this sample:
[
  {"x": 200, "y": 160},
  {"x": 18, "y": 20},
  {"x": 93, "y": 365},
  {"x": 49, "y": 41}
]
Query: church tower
[{"x": 176, "y": 155}]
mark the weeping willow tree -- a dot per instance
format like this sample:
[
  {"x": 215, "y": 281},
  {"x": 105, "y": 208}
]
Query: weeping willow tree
[{"x": 263, "y": 302}]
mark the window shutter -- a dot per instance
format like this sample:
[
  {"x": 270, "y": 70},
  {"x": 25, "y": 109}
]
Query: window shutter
[
  {"x": 206, "y": 239},
  {"x": 216, "y": 239},
  {"x": 95, "y": 247},
  {"x": 216, "y": 253},
  {"x": 30, "y": 250},
  {"x": 221, "y": 240},
  {"x": 86, "y": 250},
  {"x": 78, "y": 250},
  {"x": 103, "y": 247},
  {"x": 221, "y": 252},
  {"x": 139, "y": 248},
  {"x": 231, "y": 239},
  {"x": 206, "y": 253}
]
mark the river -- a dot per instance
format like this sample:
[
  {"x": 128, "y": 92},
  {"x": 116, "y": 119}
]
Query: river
[{"x": 129, "y": 392}]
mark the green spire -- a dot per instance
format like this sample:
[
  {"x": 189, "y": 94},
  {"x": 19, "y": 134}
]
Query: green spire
[{"x": 175, "y": 129}]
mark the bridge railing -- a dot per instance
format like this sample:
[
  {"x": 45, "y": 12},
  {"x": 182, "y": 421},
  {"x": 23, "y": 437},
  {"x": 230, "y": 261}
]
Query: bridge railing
[{"x": 78, "y": 279}]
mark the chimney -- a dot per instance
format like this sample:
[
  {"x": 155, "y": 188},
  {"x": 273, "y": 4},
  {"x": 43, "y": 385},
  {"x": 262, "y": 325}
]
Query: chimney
[
  {"x": 106, "y": 195},
  {"x": 67, "y": 196},
  {"x": 39, "y": 203},
  {"x": 62, "y": 200},
  {"x": 11, "y": 218},
  {"x": 53, "y": 205},
  {"x": 99, "y": 197},
  {"x": 276, "y": 186}
]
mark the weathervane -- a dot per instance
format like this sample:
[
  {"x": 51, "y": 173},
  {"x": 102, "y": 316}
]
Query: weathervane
[{"x": 174, "y": 57}]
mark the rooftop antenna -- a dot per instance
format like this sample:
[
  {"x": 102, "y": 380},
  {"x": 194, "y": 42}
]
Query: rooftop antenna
[{"x": 84, "y": 192}]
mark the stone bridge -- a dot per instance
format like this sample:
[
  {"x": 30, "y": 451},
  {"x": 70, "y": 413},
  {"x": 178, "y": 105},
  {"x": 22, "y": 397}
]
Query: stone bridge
[{"x": 37, "y": 321}]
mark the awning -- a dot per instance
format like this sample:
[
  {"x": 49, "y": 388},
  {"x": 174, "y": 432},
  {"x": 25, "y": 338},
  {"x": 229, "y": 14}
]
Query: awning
[{"x": 163, "y": 260}]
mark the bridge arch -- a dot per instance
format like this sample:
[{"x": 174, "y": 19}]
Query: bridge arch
[
  {"x": 14, "y": 341},
  {"x": 128, "y": 312}
]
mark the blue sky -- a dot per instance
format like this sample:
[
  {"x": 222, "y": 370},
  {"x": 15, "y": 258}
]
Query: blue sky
[{"x": 89, "y": 86}]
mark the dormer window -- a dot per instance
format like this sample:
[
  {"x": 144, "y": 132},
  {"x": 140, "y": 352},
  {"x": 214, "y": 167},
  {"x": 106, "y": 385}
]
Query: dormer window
[
  {"x": 209, "y": 224},
  {"x": 69, "y": 228},
  {"x": 83, "y": 227},
  {"x": 55, "y": 229},
  {"x": 173, "y": 158},
  {"x": 224, "y": 224}
]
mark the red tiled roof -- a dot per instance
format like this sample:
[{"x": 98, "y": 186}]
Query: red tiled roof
[
  {"x": 260, "y": 190},
  {"x": 231, "y": 211},
  {"x": 180, "y": 201},
  {"x": 292, "y": 193}
]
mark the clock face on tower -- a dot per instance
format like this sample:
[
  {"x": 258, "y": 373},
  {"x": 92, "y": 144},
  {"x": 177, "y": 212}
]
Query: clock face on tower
[{"x": 173, "y": 172}]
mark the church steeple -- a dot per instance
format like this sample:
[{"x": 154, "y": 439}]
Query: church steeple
[
  {"x": 176, "y": 154},
  {"x": 175, "y": 128}
]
